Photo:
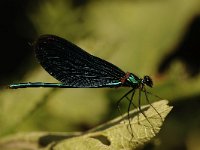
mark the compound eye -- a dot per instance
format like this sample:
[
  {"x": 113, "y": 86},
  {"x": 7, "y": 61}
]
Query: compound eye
[{"x": 148, "y": 81}]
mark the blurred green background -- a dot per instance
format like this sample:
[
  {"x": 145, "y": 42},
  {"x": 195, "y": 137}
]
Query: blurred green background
[{"x": 160, "y": 38}]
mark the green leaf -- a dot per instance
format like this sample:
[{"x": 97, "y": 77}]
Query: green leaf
[{"x": 115, "y": 134}]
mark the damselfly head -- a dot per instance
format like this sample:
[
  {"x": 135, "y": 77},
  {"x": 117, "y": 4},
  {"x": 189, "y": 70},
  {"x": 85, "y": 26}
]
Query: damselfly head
[{"x": 148, "y": 81}]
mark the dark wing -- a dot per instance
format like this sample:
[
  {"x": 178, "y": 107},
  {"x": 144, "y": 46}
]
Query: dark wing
[{"x": 73, "y": 66}]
